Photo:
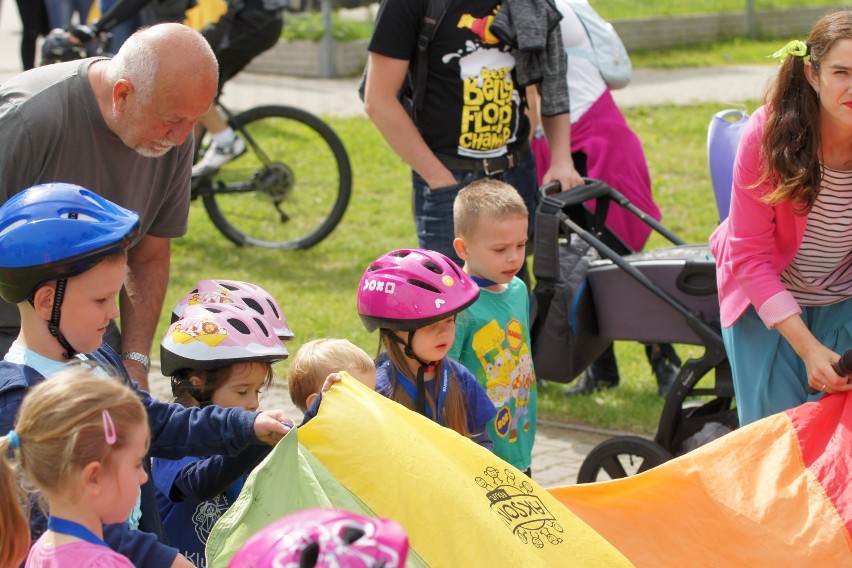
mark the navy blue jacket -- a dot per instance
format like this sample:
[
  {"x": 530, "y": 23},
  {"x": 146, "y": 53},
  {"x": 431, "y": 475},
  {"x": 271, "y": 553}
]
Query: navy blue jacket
[{"x": 176, "y": 432}]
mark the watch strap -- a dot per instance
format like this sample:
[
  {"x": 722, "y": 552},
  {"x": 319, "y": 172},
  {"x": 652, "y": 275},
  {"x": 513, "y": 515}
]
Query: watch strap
[{"x": 143, "y": 360}]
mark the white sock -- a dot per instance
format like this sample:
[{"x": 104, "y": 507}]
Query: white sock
[{"x": 225, "y": 137}]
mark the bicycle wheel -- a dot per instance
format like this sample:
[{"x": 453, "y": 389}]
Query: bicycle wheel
[
  {"x": 291, "y": 187},
  {"x": 621, "y": 456}
]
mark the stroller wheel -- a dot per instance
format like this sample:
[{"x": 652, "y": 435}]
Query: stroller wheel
[{"x": 620, "y": 457}]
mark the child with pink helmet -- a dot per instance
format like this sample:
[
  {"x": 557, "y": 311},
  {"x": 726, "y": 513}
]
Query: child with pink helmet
[
  {"x": 412, "y": 296},
  {"x": 216, "y": 354},
  {"x": 223, "y": 291},
  {"x": 325, "y": 538}
]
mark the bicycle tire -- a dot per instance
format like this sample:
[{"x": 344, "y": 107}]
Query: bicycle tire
[
  {"x": 621, "y": 457},
  {"x": 311, "y": 188}
]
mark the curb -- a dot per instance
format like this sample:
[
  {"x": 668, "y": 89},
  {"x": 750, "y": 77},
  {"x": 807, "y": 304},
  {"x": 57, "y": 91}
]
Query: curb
[{"x": 586, "y": 429}]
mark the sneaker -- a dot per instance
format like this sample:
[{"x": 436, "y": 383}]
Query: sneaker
[
  {"x": 666, "y": 365},
  {"x": 217, "y": 156},
  {"x": 587, "y": 384},
  {"x": 666, "y": 373}
]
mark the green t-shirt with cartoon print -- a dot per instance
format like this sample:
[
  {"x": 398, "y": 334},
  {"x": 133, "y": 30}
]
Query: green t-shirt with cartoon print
[{"x": 493, "y": 342}]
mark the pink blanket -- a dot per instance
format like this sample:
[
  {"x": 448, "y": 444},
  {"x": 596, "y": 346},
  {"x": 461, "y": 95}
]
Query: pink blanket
[{"x": 614, "y": 156}]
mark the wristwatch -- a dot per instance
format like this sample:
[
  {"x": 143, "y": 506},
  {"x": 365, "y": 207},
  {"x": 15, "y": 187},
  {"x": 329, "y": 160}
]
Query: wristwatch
[{"x": 144, "y": 360}]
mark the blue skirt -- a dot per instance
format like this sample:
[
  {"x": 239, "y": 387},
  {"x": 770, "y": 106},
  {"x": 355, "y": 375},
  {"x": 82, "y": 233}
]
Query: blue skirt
[{"x": 769, "y": 377}]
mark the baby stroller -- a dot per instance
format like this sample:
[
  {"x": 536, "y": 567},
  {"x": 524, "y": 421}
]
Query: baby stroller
[{"x": 666, "y": 295}]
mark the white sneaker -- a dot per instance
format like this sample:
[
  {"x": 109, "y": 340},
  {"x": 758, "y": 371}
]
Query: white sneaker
[{"x": 217, "y": 156}]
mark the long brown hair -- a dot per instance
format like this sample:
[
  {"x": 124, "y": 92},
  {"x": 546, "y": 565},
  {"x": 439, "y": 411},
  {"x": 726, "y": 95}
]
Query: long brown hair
[
  {"x": 454, "y": 411},
  {"x": 791, "y": 141},
  {"x": 61, "y": 430}
]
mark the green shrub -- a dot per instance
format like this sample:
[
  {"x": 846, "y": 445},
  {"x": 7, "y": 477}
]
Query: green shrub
[{"x": 309, "y": 26}]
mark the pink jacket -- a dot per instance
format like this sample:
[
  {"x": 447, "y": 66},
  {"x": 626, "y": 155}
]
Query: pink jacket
[{"x": 756, "y": 242}]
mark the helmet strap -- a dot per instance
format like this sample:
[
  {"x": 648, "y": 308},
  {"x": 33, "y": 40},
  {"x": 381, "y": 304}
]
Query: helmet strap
[
  {"x": 202, "y": 396},
  {"x": 56, "y": 312},
  {"x": 420, "y": 403}
]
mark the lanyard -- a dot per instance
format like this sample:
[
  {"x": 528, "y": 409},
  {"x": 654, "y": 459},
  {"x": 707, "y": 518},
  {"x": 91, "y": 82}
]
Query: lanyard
[
  {"x": 64, "y": 526},
  {"x": 411, "y": 389},
  {"x": 482, "y": 282}
]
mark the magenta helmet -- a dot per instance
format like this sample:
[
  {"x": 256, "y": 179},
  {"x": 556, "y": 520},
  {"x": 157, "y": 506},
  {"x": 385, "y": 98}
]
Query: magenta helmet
[
  {"x": 409, "y": 288},
  {"x": 220, "y": 291},
  {"x": 325, "y": 538},
  {"x": 209, "y": 336}
]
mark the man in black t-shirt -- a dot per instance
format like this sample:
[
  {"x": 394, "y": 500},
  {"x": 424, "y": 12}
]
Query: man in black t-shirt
[{"x": 472, "y": 123}]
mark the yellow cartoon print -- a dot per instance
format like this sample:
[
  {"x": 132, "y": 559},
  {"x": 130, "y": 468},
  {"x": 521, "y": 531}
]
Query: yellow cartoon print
[{"x": 198, "y": 329}]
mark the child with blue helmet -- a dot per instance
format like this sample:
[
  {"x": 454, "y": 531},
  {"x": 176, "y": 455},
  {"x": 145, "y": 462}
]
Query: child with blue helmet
[{"x": 62, "y": 261}]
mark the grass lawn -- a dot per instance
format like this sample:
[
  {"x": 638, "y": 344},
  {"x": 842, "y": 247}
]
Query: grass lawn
[{"x": 627, "y": 9}]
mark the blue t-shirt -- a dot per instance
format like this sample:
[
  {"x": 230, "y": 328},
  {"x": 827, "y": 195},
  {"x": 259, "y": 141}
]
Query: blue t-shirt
[
  {"x": 188, "y": 522},
  {"x": 480, "y": 411}
]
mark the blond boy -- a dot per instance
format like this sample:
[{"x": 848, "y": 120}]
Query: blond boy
[
  {"x": 316, "y": 360},
  {"x": 492, "y": 336}
]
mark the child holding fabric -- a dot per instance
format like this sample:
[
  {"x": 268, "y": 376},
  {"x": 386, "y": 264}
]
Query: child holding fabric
[
  {"x": 63, "y": 253},
  {"x": 412, "y": 297},
  {"x": 216, "y": 354}
]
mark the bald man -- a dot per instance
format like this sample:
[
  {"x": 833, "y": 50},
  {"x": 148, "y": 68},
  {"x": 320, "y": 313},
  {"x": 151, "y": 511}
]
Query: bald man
[{"x": 120, "y": 127}]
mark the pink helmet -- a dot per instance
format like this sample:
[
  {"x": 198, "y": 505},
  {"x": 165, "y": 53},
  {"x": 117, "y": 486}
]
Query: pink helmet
[
  {"x": 409, "y": 288},
  {"x": 325, "y": 538},
  {"x": 209, "y": 336},
  {"x": 237, "y": 292}
]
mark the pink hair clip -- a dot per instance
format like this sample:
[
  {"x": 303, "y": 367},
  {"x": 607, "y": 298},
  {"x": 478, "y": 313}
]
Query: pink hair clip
[{"x": 109, "y": 428}]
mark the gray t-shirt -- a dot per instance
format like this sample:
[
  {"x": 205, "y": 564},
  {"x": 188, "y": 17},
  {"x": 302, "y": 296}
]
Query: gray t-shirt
[{"x": 52, "y": 130}]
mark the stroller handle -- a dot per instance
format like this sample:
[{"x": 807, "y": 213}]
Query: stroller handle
[
  {"x": 592, "y": 189},
  {"x": 553, "y": 197}
]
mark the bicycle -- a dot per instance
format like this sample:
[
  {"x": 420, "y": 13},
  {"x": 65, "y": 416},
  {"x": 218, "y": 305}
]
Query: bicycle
[
  {"x": 288, "y": 191},
  {"x": 291, "y": 187}
]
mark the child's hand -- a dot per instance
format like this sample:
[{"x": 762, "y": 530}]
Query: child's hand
[
  {"x": 182, "y": 561},
  {"x": 272, "y": 425},
  {"x": 330, "y": 380}
]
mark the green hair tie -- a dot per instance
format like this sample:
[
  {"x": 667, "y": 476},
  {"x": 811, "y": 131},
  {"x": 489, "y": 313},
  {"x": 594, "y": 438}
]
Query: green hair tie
[{"x": 796, "y": 48}]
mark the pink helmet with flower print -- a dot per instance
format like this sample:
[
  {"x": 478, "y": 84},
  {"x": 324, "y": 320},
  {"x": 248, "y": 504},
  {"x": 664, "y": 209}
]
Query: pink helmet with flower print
[
  {"x": 407, "y": 289},
  {"x": 210, "y": 336},
  {"x": 325, "y": 538},
  {"x": 219, "y": 291}
]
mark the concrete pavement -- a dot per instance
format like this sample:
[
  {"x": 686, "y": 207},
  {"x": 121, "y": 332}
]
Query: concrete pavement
[{"x": 559, "y": 449}]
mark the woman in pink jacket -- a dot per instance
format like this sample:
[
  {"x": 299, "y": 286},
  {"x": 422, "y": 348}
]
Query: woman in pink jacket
[{"x": 784, "y": 255}]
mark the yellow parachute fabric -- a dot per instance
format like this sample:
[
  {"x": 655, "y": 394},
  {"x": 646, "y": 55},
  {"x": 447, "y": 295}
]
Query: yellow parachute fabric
[{"x": 459, "y": 503}]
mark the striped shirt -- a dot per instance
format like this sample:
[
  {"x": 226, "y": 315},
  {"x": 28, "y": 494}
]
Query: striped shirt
[{"x": 821, "y": 272}]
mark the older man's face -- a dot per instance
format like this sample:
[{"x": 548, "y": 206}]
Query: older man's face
[{"x": 153, "y": 127}]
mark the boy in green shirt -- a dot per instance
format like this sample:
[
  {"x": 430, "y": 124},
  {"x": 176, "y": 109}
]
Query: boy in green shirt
[{"x": 492, "y": 336}]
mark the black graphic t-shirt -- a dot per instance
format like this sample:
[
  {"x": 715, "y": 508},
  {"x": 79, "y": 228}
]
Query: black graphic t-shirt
[{"x": 471, "y": 107}]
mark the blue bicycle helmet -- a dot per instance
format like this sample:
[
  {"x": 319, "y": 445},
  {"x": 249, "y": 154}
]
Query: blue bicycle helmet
[{"x": 54, "y": 231}]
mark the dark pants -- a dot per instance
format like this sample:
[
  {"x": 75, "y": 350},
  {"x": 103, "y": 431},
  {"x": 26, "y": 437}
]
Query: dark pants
[
  {"x": 34, "y": 23},
  {"x": 238, "y": 38},
  {"x": 433, "y": 208}
]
